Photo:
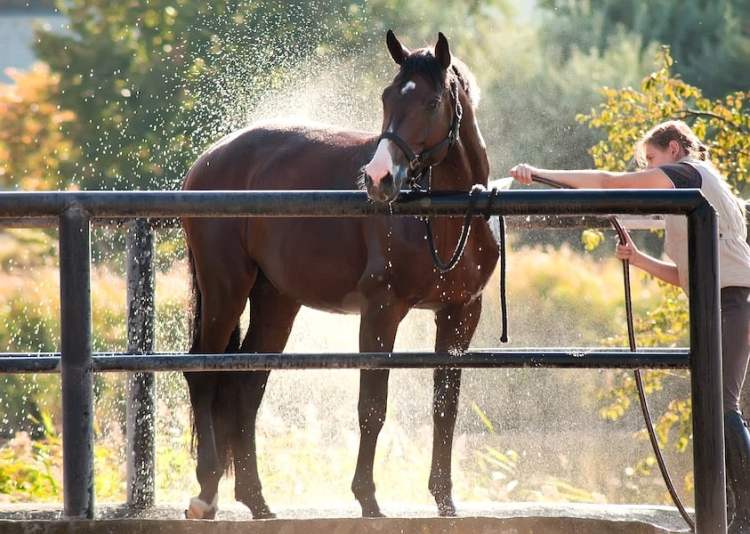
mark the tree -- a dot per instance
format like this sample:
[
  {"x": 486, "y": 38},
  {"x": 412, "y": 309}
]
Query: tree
[
  {"x": 710, "y": 39},
  {"x": 130, "y": 72},
  {"x": 33, "y": 147}
]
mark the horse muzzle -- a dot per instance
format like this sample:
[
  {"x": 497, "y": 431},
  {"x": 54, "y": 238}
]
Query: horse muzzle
[{"x": 386, "y": 189}]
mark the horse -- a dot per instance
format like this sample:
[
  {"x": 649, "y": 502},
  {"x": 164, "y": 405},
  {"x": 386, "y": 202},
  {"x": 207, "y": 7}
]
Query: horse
[{"x": 378, "y": 267}]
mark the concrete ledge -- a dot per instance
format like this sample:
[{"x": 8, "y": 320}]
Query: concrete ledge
[
  {"x": 464, "y": 525},
  {"x": 510, "y": 518}
]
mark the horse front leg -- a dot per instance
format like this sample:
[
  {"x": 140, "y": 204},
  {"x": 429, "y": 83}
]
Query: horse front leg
[
  {"x": 377, "y": 332},
  {"x": 455, "y": 328}
]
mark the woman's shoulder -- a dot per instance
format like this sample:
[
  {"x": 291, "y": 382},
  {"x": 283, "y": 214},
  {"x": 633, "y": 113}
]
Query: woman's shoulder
[{"x": 683, "y": 174}]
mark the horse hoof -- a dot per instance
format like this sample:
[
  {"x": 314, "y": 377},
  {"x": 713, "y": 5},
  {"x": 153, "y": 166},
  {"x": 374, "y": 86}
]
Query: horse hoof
[
  {"x": 446, "y": 508},
  {"x": 264, "y": 513},
  {"x": 369, "y": 506},
  {"x": 372, "y": 513},
  {"x": 447, "y": 512},
  {"x": 257, "y": 506},
  {"x": 199, "y": 509}
]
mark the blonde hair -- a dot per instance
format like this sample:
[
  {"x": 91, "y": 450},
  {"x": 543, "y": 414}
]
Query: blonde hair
[{"x": 662, "y": 134}]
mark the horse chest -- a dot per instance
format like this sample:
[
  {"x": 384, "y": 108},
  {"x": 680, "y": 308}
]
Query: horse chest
[{"x": 415, "y": 279}]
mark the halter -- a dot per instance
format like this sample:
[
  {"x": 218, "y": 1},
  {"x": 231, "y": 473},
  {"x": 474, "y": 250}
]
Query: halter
[{"x": 423, "y": 162}]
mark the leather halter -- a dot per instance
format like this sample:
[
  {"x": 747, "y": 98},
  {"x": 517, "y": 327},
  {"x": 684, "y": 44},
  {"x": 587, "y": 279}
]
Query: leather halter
[{"x": 424, "y": 161}]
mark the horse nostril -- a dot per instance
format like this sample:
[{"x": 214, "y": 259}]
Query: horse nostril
[
  {"x": 387, "y": 181},
  {"x": 368, "y": 180}
]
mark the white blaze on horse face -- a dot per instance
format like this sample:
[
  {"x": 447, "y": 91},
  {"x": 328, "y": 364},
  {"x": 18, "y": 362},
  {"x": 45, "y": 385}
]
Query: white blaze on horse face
[
  {"x": 408, "y": 86},
  {"x": 381, "y": 163}
]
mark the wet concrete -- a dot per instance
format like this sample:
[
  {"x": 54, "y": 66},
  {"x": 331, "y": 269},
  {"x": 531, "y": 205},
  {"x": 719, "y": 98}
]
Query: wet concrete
[{"x": 510, "y": 518}]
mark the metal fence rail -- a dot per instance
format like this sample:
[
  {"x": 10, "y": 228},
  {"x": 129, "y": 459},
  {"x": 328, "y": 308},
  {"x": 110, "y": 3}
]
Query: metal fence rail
[
  {"x": 580, "y": 358},
  {"x": 74, "y": 212}
]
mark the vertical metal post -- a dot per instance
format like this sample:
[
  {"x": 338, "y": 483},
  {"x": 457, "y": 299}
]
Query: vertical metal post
[
  {"x": 77, "y": 376},
  {"x": 705, "y": 372},
  {"x": 141, "y": 388},
  {"x": 745, "y": 393}
]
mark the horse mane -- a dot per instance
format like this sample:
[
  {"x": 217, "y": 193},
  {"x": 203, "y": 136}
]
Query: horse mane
[{"x": 424, "y": 63}]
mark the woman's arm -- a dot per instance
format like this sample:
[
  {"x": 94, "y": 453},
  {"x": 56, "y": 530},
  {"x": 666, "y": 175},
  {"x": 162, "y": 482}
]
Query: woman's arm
[
  {"x": 660, "y": 269},
  {"x": 593, "y": 179}
]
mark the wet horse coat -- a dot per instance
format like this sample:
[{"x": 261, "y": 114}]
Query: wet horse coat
[{"x": 378, "y": 267}]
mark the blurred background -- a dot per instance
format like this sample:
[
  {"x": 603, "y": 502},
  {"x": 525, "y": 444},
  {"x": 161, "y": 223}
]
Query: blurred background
[{"x": 103, "y": 95}]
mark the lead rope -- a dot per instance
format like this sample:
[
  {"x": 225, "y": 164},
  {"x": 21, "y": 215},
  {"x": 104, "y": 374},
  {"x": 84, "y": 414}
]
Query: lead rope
[
  {"x": 461, "y": 245},
  {"x": 621, "y": 236},
  {"x": 465, "y": 231}
]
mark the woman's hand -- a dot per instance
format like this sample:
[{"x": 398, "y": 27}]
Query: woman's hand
[
  {"x": 628, "y": 251},
  {"x": 522, "y": 173}
]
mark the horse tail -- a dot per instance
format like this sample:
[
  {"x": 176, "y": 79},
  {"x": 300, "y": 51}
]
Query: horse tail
[
  {"x": 233, "y": 346},
  {"x": 195, "y": 330},
  {"x": 195, "y": 303}
]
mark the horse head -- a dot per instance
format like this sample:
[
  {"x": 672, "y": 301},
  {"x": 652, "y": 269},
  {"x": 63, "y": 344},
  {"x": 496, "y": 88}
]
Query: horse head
[{"x": 422, "y": 114}]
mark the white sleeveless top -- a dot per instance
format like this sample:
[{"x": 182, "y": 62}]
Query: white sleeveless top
[{"x": 734, "y": 252}]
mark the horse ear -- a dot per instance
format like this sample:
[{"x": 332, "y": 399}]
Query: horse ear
[
  {"x": 442, "y": 51},
  {"x": 399, "y": 52}
]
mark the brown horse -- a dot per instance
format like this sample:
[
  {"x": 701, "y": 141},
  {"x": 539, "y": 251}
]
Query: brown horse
[{"x": 379, "y": 267}]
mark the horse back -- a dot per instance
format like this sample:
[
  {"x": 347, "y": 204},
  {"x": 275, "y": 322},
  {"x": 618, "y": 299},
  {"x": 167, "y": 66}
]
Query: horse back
[{"x": 280, "y": 157}]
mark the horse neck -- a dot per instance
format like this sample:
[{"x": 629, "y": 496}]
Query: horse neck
[{"x": 466, "y": 163}]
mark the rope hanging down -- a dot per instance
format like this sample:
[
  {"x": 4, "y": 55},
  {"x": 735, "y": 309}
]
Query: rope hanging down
[
  {"x": 458, "y": 251},
  {"x": 622, "y": 237}
]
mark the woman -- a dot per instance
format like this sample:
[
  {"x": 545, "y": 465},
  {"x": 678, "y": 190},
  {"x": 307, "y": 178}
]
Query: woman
[{"x": 671, "y": 156}]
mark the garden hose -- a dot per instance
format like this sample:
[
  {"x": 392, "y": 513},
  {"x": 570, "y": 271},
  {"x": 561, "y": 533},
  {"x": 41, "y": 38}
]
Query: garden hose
[{"x": 622, "y": 237}]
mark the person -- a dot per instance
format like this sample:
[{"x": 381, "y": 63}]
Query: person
[{"x": 671, "y": 156}]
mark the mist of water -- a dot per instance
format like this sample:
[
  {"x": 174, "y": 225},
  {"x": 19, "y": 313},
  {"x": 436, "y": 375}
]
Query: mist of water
[{"x": 307, "y": 428}]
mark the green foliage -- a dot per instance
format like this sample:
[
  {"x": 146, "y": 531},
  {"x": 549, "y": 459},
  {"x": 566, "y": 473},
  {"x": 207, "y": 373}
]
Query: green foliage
[
  {"x": 33, "y": 148},
  {"x": 710, "y": 40},
  {"x": 591, "y": 239},
  {"x": 29, "y": 321},
  {"x": 152, "y": 83},
  {"x": 31, "y": 469}
]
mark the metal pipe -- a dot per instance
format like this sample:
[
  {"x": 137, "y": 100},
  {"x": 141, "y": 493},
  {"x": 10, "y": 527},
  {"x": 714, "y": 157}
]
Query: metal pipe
[
  {"x": 115, "y": 204},
  {"x": 141, "y": 406},
  {"x": 75, "y": 365},
  {"x": 584, "y": 358},
  {"x": 705, "y": 371}
]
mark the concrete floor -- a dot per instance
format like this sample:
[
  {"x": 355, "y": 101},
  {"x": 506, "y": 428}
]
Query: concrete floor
[{"x": 510, "y": 518}]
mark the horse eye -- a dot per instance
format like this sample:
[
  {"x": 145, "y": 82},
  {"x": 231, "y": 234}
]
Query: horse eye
[{"x": 433, "y": 104}]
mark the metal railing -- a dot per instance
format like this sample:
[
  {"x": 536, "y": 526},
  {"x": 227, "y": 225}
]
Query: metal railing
[{"x": 75, "y": 211}]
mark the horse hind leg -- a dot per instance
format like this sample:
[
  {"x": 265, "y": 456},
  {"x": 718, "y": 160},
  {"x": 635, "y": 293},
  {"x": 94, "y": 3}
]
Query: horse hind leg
[
  {"x": 271, "y": 318},
  {"x": 221, "y": 307},
  {"x": 206, "y": 504}
]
